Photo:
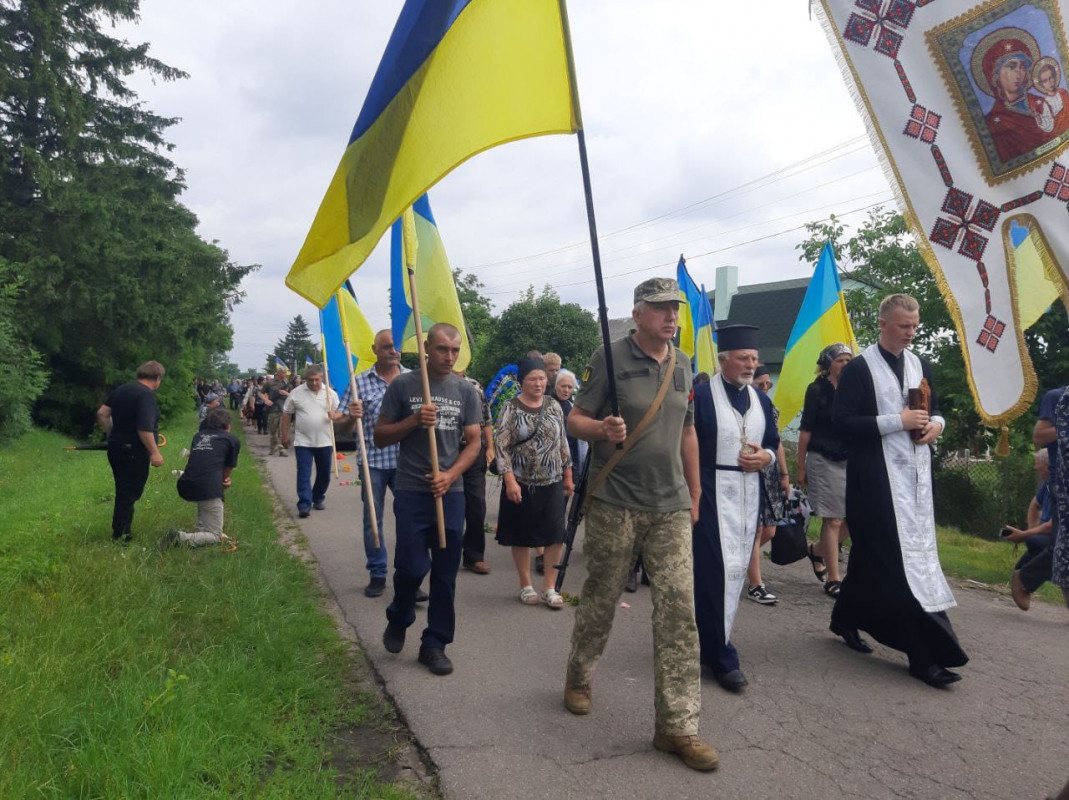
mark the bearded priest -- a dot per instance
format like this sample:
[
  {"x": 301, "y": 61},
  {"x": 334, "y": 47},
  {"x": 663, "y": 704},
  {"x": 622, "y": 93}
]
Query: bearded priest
[{"x": 736, "y": 439}]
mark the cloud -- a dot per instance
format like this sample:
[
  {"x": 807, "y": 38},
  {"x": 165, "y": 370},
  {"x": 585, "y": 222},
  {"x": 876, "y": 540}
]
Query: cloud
[{"x": 681, "y": 102}]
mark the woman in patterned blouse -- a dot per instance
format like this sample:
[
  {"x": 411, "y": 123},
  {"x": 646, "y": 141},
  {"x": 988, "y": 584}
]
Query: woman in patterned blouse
[{"x": 536, "y": 467}]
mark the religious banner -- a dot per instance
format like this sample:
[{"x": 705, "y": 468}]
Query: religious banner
[{"x": 968, "y": 109}]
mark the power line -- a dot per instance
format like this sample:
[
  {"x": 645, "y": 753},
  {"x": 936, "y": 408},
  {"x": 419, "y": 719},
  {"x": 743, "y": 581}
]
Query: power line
[
  {"x": 701, "y": 255},
  {"x": 771, "y": 177}
]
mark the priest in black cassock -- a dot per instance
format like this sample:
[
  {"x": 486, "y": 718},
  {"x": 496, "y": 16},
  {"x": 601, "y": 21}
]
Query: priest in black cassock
[
  {"x": 894, "y": 588},
  {"x": 736, "y": 438}
]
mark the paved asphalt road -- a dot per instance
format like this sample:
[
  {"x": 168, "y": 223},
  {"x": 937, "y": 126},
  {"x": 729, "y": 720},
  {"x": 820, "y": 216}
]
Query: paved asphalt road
[{"x": 817, "y": 721}]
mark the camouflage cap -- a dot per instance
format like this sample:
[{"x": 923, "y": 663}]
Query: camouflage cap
[{"x": 658, "y": 290}]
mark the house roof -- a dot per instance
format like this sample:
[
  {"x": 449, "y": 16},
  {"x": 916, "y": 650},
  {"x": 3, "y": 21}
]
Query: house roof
[{"x": 772, "y": 307}]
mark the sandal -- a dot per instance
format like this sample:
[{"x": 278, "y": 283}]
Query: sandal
[
  {"x": 822, "y": 572},
  {"x": 528, "y": 596},
  {"x": 831, "y": 588},
  {"x": 552, "y": 598}
]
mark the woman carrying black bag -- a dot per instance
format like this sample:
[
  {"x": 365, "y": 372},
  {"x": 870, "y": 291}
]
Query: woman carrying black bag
[
  {"x": 822, "y": 465},
  {"x": 775, "y": 486}
]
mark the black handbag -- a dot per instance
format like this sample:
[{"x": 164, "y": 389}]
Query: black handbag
[{"x": 790, "y": 543}]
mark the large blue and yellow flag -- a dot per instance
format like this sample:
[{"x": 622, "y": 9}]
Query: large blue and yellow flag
[
  {"x": 458, "y": 77},
  {"x": 436, "y": 290},
  {"x": 361, "y": 338},
  {"x": 822, "y": 320},
  {"x": 695, "y": 322}
]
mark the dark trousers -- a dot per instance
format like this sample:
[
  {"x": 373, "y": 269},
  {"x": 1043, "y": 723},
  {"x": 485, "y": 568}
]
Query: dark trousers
[
  {"x": 129, "y": 466},
  {"x": 308, "y": 492},
  {"x": 475, "y": 510},
  {"x": 1037, "y": 562},
  {"x": 417, "y": 553}
]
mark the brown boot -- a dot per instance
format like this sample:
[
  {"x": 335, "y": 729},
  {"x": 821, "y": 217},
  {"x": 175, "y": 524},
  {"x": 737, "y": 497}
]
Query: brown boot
[
  {"x": 695, "y": 753},
  {"x": 1021, "y": 596},
  {"x": 577, "y": 699}
]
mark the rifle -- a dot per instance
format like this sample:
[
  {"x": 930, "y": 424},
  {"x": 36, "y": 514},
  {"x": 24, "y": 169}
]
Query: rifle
[{"x": 575, "y": 516}]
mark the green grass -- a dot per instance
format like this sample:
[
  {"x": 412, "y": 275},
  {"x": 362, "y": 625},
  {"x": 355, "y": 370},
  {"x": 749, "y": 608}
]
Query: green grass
[
  {"x": 973, "y": 558},
  {"x": 193, "y": 673}
]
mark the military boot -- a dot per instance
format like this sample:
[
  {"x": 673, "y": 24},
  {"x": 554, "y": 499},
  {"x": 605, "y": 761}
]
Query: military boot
[
  {"x": 695, "y": 753},
  {"x": 577, "y": 699}
]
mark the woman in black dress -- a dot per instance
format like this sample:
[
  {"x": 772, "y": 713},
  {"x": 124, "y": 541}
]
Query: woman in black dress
[{"x": 536, "y": 467}]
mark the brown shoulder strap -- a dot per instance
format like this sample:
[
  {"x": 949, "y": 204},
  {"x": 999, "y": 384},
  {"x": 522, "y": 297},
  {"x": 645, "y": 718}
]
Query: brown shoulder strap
[{"x": 629, "y": 442}]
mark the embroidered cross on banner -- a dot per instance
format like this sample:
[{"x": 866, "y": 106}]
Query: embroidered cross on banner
[
  {"x": 882, "y": 20},
  {"x": 964, "y": 224}
]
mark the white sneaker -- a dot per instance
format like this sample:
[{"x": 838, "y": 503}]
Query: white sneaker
[{"x": 759, "y": 594}]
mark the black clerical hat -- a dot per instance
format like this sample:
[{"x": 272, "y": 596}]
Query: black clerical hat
[{"x": 736, "y": 337}]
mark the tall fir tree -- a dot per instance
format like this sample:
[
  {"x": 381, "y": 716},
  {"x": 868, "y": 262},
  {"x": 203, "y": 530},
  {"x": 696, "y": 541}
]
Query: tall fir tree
[{"x": 112, "y": 270}]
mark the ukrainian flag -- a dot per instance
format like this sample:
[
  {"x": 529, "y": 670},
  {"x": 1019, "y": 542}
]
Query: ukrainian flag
[
  {"x": 458, "y": 77},
  {"x": 1035, "y": 289},
  {"x": 361, "y": 338},
  {"x": 695, "y": 322},
  {"x": 280, "y": 365},
  {"x": 437, "y": 291},
  {"x": 822, "y": 320}
]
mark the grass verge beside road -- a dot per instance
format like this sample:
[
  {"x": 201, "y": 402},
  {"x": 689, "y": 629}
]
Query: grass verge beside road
[
  {"x": 973, "y": 558},
  {"x": 125, "y": 672}
]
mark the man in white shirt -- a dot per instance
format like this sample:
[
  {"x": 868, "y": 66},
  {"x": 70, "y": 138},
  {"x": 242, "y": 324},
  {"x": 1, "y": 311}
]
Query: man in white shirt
[{"x": 312, "y": 407}]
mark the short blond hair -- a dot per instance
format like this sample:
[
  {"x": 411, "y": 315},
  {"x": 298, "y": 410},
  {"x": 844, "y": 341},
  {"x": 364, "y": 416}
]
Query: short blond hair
[{"x": 896, "y": 301}]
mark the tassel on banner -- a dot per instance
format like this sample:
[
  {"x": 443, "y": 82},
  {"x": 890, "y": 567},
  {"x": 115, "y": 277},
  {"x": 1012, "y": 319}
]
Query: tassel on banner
[{"x": 1003, "y": 448}]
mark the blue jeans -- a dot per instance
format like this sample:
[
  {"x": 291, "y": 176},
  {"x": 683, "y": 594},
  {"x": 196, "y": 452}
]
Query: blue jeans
[
  {"x": 417, "y": 553},
  {"x": 376, "y": 559},
  {"x": 307, "y": 492}
]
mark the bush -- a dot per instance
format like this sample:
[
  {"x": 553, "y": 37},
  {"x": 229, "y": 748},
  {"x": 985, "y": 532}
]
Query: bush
[{"x": 978, "y": 497}]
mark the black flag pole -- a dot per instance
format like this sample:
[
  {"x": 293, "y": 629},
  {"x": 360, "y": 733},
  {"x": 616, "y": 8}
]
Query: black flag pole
[{"x": 603, "y": 311}]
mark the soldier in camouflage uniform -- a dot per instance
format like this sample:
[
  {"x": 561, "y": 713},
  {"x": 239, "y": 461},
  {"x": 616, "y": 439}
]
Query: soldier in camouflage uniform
[{"x": 645, "y": 506}]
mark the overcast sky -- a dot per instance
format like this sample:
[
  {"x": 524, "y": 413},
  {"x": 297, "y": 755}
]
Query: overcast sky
[{"x": 712, "y": 132}]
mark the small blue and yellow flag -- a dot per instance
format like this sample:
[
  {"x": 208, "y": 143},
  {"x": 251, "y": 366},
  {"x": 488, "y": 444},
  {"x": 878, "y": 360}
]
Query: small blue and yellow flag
[
  {"x": 822, "y": 320},
  {"x": 695, "y": 322},
  {"x": 458, "y": 77},
  {"x": 361, "y": 337},
  {"x": 436, "y": 289},
  {"x": 1036, "y": 289},
  {"x": 280, "y": 365}
]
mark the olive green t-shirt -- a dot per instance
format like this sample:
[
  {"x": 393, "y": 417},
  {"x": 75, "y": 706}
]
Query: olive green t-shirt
[{"x": 650, "y": 476}]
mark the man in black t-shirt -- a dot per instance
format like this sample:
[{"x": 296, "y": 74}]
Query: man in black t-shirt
[
  {"x": 130, "y": 418},
  {"x": 212, "y": 457}
]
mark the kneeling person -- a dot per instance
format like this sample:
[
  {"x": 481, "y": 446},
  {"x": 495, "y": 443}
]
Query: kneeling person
[
  {"x": 212, "y": 457},
  {"x": 453, "y": 411}
]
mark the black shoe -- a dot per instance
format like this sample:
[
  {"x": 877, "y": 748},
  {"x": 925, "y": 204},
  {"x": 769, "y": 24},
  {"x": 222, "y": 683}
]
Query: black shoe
[
  {"x": 375, "y": 588},
  {"x": 934, "y": 675},
  {"x": 435, "y": 660},
  {"x": 393, "y": 638},
  {"x": 303, "y": 512},
  {"x": 422, "y": 596},
  {"x": 540, "y": 565},
  {"x": 852, "y": 639},
  {"x": 733, "y": 681},
  {"x": 319, "y": 505},
  {"x": 631, "y": 584}
]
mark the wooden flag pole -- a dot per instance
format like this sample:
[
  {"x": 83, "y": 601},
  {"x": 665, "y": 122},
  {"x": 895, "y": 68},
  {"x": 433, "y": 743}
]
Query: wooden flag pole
[
  {"x": 369, "y": 499},
  {"x": 326, "y": 380},
  {"x": 410, "y": 245}
]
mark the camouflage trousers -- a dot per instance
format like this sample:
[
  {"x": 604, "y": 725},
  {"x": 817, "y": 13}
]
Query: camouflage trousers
[{"x": 615, "y": 537}]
